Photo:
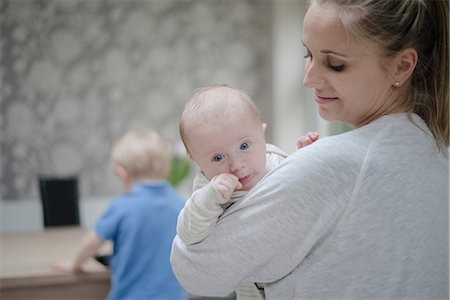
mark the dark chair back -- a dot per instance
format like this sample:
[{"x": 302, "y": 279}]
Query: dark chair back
[{"x": 59, "y": 197}]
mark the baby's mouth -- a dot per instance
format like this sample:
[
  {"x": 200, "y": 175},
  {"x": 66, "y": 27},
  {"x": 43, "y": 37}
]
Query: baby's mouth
[{"x": 244, "y": 179}]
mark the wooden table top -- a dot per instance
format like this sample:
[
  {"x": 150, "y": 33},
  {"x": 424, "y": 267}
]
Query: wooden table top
[{"x": 30, "y": 255}]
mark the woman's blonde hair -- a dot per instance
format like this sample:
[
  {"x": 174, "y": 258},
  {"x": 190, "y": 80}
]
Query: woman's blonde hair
[
  {"x": 394, "y": 25},
  {"x": 143, "y": 154}
]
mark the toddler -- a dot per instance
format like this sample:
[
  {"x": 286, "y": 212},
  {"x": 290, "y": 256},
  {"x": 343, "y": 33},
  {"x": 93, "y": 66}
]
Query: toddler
[{"x": 141, "y": 223}]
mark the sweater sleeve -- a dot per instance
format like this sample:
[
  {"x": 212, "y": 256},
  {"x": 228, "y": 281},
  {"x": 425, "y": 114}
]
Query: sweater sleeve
[
  {"x": 200, "y": 213},
  {"x": 204, "y": 207}
]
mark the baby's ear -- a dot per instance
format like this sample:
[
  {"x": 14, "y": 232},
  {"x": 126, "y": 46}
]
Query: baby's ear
[{"x": 189, "y": 156}]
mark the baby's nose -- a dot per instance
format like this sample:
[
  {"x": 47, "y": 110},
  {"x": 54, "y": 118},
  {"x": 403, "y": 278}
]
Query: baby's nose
[{"x": 236, "y": 165}]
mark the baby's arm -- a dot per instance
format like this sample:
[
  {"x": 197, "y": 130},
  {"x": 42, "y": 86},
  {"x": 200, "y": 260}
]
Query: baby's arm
[
  {"x": 307, "y": 139},
  {"x": 203, "y": 209}
]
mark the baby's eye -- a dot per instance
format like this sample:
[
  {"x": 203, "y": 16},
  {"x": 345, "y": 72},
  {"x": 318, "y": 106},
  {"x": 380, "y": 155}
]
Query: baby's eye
[
  {"x": 218, "y": 157},
  {"x": 245, "y": 146}
]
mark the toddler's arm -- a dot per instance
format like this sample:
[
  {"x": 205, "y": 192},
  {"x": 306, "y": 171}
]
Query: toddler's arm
[
  {"x": 307, "y": 139},
  {"x": 203, "y": 209},
  {"x": 90, "y": 244}
]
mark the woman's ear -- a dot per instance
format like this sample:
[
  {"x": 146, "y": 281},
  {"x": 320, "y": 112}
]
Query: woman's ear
[{"x": 405, "y": 63}]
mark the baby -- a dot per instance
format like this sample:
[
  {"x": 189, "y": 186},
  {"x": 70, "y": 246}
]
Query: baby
[{"x": 223, "y": 133}]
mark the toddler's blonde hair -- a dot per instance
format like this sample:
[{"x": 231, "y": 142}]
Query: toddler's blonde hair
[{"x": 143, "y": 154}]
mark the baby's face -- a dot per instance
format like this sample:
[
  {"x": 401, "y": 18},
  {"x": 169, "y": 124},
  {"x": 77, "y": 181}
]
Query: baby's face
[{"x": 238, "y": 148}]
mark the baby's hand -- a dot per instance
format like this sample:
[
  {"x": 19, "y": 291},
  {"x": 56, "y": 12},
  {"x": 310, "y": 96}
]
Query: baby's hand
[
  {"x": 307, "y": 139},
  {"x": 225, "y": 184}
]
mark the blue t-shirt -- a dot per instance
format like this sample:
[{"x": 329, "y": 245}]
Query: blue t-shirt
[{"x": 142, "y": 225}]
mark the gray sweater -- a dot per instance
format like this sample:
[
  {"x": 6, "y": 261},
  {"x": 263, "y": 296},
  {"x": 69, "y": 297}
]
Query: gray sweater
[
  {"x": 203, "y": 209},
  {"x": 361, "y": 215}
]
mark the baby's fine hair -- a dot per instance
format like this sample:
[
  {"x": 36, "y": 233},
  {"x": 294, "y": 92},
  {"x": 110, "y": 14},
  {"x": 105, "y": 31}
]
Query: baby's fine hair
[
  {"x": 143, "y": 154},
  {"x": 214, "y": 105}
]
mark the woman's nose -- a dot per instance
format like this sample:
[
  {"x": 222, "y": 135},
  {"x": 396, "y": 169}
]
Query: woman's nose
[{"x": 312, "y": 77}]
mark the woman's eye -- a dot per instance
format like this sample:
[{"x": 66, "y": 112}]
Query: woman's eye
[
  {"x": 218, "y": 158},
  {"x": 308, "y": 54},
  {"x": 336, "y": 66},
  {"x": 244, "y": 146}
]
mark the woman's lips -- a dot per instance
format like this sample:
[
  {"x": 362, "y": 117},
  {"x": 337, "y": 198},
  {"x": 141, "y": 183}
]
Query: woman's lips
[{"x": 324, "y": 100}]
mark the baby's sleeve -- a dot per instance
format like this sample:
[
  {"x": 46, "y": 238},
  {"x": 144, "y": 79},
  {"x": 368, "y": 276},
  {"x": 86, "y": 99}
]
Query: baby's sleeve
[
  {"x": 200, "y": 213},
  {"x": 274, "y": 157}
]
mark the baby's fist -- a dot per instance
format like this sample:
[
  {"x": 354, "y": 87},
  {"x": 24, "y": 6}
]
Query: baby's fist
[
  {"x": 226, "y": 184},
  {"x": 307, "y": 139}
]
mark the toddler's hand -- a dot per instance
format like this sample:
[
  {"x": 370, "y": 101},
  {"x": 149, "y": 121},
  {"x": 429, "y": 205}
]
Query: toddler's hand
[
  {"x": 65, "y": 267},
  {"x": 225, "y": 184},
  {"x": 307, "y": 139}
]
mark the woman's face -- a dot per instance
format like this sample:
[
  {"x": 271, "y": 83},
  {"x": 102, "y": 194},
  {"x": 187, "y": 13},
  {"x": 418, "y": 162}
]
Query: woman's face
[{"x": 349, "y": 82}]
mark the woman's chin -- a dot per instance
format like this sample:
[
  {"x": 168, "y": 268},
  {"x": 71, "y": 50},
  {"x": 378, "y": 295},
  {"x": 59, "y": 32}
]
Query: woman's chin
[{"x": 326, "y": 115}]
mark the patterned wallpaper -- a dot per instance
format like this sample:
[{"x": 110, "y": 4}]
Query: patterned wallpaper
[{"x": 76, "y": 74}]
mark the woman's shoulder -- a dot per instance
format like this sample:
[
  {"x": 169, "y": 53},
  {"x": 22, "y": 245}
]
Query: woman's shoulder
[
  {"x": 345, "y": 151},
  {"x": 347, "y": 147},
  {"x": 382, "y": 140},
  {"x": 392, "y": 130}
]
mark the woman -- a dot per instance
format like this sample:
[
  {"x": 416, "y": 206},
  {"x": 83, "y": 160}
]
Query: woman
[{"x": 363, "y": 214}]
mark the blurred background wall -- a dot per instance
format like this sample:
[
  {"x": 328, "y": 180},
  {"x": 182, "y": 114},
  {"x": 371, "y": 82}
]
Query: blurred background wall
[{"x": 77, "y": 74}]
